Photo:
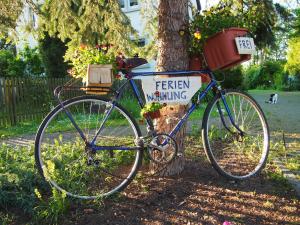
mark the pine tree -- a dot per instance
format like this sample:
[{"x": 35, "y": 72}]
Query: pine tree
[{"x": 88, "y": 22}]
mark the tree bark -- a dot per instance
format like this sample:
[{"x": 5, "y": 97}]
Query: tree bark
[{"x": 172, "y": 55}]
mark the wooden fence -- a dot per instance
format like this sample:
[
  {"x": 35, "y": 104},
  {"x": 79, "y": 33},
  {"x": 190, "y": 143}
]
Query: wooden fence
[{"x": 23, "y": 99}]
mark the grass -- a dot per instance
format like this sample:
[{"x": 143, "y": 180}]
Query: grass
[
  {"x": 29, "y": 127},
  {"x": 25, "y": 196}
]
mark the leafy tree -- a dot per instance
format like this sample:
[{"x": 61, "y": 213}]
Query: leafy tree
[
  {"x": 293, "y": 55},
  {"x": 9, "y": 13},
  {"x": 52, "y": 51}
]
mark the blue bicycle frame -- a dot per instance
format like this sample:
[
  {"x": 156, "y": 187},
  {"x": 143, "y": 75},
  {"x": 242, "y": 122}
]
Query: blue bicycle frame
[{"x": 201, "y": 95}]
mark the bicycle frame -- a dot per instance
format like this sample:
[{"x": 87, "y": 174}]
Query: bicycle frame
[{"x": 180, "y": 123}]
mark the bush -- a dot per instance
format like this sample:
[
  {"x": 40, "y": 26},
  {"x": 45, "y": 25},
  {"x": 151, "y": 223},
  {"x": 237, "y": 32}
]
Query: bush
[
  {"x": 52, "y": 51},
  {"x": 11, "y": 65},
  {"x": 269, "y": 75},
  {"x": 231, "y": 78},
  {"x": 32, "y": 61},
  {"x": 251, "y": 77},
  {"x": 25, "y": 63}
]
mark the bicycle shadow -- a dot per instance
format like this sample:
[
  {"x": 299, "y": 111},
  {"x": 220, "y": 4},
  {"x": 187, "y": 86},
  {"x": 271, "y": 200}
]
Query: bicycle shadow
[{"x": 200, "y": 196}]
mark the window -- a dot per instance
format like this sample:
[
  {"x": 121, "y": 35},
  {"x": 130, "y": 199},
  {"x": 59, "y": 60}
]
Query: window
[
  {"x": 122, "y": 4},
  {"x": 133, "y": 3},
  {"x": 129, "y": 5}
]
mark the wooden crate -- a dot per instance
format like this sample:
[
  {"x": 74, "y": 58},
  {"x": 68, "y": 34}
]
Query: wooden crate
[{"x": 99, "y": 76}]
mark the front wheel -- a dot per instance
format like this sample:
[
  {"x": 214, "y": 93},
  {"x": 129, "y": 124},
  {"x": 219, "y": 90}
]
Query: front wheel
[
  {"x": 238, "y": 146},
  {"x": 69, "y": 161}
]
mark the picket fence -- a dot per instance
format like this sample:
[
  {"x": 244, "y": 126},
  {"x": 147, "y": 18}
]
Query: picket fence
[{"x": 26, "y": 99}]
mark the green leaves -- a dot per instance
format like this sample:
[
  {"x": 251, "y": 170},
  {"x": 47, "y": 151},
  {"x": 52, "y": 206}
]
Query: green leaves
[
  {"x": 88, "y": 22},
  {"x": 80, "y": 57},
  {"x": 151, "y": 107}
]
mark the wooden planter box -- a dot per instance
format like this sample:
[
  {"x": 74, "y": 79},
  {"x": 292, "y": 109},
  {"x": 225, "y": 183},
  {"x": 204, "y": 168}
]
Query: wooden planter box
[{"x": 99, "y": 79}]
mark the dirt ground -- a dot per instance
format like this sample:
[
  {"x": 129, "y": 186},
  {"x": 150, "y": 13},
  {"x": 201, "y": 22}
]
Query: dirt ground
[{"x": 198, "y": 196}]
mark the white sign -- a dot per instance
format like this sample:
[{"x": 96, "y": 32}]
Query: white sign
[
  {"x": 171, "y": 90},
  {"x": 245, "y": 45}
]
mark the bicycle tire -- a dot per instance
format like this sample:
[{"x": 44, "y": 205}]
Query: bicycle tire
[
  {"x": 234, "y": 156},
  {"x": 62, "y": 157}
]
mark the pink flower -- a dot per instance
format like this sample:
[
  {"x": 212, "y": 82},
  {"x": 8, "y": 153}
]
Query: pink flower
[{"x": 227, "y": 223}]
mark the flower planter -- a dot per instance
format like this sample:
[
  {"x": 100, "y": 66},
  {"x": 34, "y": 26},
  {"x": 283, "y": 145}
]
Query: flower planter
[
  {"x": 196, "y": 63},
  {"x": 152, "y": 115},
  {"x": 220, "y": 50}
]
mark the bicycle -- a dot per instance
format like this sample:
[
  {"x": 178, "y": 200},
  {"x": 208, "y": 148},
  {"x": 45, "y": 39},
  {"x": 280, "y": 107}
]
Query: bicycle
[{"x": 91, "y": 147}]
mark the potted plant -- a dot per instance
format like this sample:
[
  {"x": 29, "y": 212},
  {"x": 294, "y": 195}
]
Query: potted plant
[
  {"x": 82, "y": 57},
  {"x": 152, "y": 110}
]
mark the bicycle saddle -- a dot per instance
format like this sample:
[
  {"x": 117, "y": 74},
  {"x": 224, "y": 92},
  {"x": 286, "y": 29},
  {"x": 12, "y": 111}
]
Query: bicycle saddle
[{"x": 130, "y": 63}]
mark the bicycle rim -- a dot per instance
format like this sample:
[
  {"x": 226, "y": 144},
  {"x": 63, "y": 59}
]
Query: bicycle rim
[
  {"x": 69, "y": 166},
  {"x": 233, "y": 155}
]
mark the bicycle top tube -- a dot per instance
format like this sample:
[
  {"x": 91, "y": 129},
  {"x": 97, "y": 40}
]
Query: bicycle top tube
[{"x": 169, "y": 73}]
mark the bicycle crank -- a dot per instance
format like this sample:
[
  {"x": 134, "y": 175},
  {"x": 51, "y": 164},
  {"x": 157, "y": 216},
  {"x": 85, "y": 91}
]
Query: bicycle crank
[{"x": 162, "y": 149}]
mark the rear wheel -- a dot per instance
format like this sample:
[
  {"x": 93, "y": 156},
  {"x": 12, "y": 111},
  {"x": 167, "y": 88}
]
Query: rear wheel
[
  {"x": 232, "y": 154},
  {"x": 71, "y": 165}
]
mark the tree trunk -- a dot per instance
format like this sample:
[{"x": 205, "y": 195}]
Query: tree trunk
[{"x": 172, "y": 55}]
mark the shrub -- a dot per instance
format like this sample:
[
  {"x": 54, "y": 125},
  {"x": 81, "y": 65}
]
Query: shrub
[
  {"x": 26, "y": 63},
  {"x": 52, "y": 51},
  {"x": 32, "y": 61},
  {"x": 269, "y": 75},
  {"x": 231, "y": 78},
  {"x": 11, "y": 65}
]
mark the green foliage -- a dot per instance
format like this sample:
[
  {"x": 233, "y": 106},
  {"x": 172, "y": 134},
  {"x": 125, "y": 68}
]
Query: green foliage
[
  {"x": 208, "y": 23},
  {"x": 296, "y": 24},
  {"x": 268, "y": 75},
  {"x": 18, "y": 179},
  {"x": 52, "y": 51},
  {"x": 11, "y": 65},
  {"x": 231, "y": 78},
  {"x": 52, "y": 209},
  {"x": 293, "y": 57},
  {"x": 9, "y": 13},
  {"x": 259, "y": 17},
  {"x": 80, "y": 57},
  {"x": 22, "y": 187},
  {"x": 31, "y": 59},
  {"x": 151, "y": 107},
  {"x": 26, "y": 63},
  {"x": 88, "y": 22}
]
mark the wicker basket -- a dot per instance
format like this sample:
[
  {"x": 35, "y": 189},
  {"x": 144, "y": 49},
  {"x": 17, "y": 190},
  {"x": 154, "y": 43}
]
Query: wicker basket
[{"x": 99, "y": 79}]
